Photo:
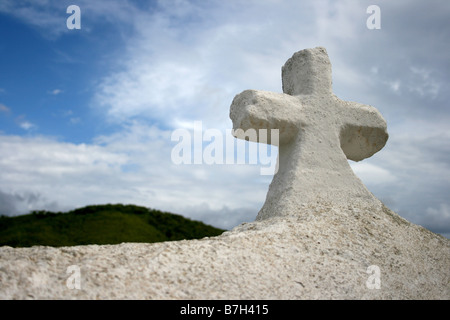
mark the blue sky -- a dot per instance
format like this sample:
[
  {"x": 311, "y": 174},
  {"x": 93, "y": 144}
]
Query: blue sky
[
  {"x": 49, "y": 78},
  {"x": 86, "y": 115}
]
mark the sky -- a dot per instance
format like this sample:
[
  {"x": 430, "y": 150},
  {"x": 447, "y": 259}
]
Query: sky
[{"x": 87, "y": 115}]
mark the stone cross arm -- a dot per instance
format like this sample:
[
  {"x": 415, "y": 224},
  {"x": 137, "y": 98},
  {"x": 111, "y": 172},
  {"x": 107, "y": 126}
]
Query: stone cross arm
[
  {"x": 363, "y": 130},
  {"x": 254, "y": 109}
]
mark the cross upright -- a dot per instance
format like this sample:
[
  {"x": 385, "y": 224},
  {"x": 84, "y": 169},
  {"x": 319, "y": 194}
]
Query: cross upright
[{"x": 318, "y": 132}]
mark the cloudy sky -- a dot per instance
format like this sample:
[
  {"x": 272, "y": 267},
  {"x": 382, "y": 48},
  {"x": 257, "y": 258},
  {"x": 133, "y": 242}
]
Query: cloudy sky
[{"x": 86, "y": 115}]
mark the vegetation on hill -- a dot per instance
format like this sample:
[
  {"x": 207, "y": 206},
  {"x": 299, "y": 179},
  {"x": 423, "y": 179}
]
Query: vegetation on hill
[{"x": 100, "y": 224}]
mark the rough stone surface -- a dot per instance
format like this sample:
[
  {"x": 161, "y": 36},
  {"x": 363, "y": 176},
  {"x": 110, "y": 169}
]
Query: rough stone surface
[
  {"x": 317, "y": 236},
  {"x": 322, "y": 254}
]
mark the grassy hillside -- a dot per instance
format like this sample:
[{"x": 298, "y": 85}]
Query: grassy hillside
[{"x": 100, "y": 224}]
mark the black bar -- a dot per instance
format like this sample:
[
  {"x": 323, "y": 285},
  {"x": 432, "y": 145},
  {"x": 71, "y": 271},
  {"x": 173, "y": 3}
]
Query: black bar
[{"x": 219, "y": 309}]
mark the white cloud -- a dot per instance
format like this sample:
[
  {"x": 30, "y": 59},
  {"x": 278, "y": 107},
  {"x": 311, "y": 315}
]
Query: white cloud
[
  {"x": 4, "y": 108},
  {"x": 55, "y": 92},
  {"x": 75, "y": 120},
  {"x": 372, "y": 174},
  {"x": 24, "y": 201},
  {"x": 423, "y": 83},
  {"x": 133, "y": 166},
  {"x": 418, "y": 156},
  {"x": 417, "y": 81},
  {"x": 36, "y": 13},
  {"x": 223, "y": 218},
  {"x": 339, "y": 21},
  {"x": 26, "y": 125},
  {"x": 192, "y": 70},
  {"x": 438, "y": 219},
  {"x": 49, "y": 16},
  {"x": 394, "y": 85},
  {"x": 26, "y": 157},
  {"x": 63, "y": 172}
]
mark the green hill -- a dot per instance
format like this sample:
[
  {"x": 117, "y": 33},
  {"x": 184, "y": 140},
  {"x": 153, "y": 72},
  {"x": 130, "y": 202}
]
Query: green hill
[{"x": 100, "y": 224}]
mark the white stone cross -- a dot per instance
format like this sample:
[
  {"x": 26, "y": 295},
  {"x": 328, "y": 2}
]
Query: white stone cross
[{"x": 318, "y": 132}]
